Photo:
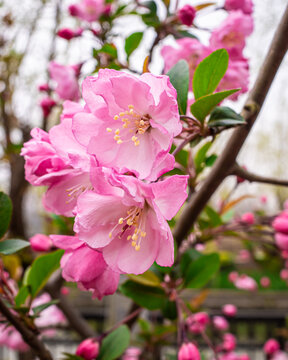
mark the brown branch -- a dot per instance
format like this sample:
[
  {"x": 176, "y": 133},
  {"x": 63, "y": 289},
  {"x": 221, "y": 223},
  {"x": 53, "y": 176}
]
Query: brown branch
[
  {"x": 28, "y": 335},
  {"x": 247, "y": 175},
  {"x": 76, "y": 321},
  {"x": 250, "y": 112}
]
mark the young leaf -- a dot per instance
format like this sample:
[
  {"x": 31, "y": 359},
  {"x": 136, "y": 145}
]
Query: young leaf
[
  {"x": 224, "y": 116},
  {"x": 114, "y": 344},
  {"x": 202, "y": 270},
  {"x": 187, "y": 258},
  {"x": 179, "y": 77},
  {"x": 41, "y": 270},
  {"x": 203, "y": 106},
  {"x": 109, "y": 49},
  {"x": 209, "y": 73},
  {"x": 22, "y": 295},
  {"x": 5, "y": 213},
  {"x": 38, "y": 309},
  {"x": 200, "y": 157},
  {"x": 132, "y": 42},
  {"x": 214, "y": 217},
  {"x": 148, "y": 279},
  {"x": 149, "y": 297},
  {"x": 11, "y": 246}
]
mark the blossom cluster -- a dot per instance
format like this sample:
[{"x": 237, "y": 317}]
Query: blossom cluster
[
  {"x": 102, "y": 164},
  {"x": 231, "y": 34}
]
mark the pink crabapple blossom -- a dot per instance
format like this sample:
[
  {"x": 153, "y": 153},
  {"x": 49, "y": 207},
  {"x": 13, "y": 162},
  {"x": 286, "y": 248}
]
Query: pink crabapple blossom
[
  {"x": 88, "y": 349},
  {"x": 40, "y": 242},
  {"x": 229, "y": 342},
  {"x": 232, "y": 33},
  {"x": 284, "y": 274},
  {"x": 198, "y": 322},
  {"x": 66, "y": 78},
  {"x": 245, "y": 282},
  {"x": 248, "y": 218},
  {"x": 85, "y": 266},
  {"x": 132, "y": 353},
  {"x": 189, "y": 351},
  {"x": 265, "y": 282},
  {"x": 280, "y": 223},
  {"x": 68, "y": 34},
  {"x": 47, "y": 104},
  {"x": 88, "y": 10},
  {"x": 130, "y": 122},
  {"x": 246, "y": 6},
  {"x": 281, "y": 240},
  {"x": 280, "y": 355},
  {"x": 126, "y": 219},
  {"x": 220, "y": 323}
]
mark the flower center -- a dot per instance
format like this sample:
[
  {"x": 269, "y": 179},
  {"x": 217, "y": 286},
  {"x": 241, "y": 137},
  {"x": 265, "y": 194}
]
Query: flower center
[
  {"x": 77, "y": 190},
  {"x": 133, "y": 124},
  {"x": 135, "y": 222}
]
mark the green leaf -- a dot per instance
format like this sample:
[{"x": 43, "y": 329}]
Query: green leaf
[
  {"x": 182, "y": 33},
  {"x": 187, "y": 258},
  {"x": 179, "y": 77},
  {"x": 38, "y": 309},
  {"x": 169, "y": 310},
  {"x": 151, "y": 5},
  {"x": 204, "y": 105},
  {"x": 148, "y": 278},
  {"x": 5, "y": 213},
  {"x": 114, "y": 344},
  {"x": 214, "y": 217},
  {"x": 202, "y": 270},
  {"x": 11, "y": 246},
  {"x": 41, "y": 270},
  {"x": 200, "y": 157},
  {"x": 22, "y": 295},
  {"x": 225, "y": 116},
  {"x": 182, "y": 158},
  {"x": 210, "y": 160},
  {"x": 132, "y": 42},
  {"x": 149, "y": 297},
  {"x": 209, "y": 73},
  {"x": 68, "y": 356},
  {"x": 109, "y": 49}
]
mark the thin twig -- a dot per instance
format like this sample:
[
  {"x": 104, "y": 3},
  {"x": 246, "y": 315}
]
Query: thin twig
[
  {"x": 28, "y": 335},
  {"x": 251, "y": 109}
]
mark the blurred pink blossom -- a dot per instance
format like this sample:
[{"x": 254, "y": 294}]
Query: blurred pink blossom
[
  {"x": 271, "y": 346},
  {"x": 88, "y": 349},
  {"x": 220, "y": 323},
  {"x": 229, "y": 310},
  {"x": 40, "y": 242},
  {"x": 245, "y": 282},
  {"x": 88, "y": 10},
  {"x": 188, "y": 351},
  {"x": 244, "y": 5}
]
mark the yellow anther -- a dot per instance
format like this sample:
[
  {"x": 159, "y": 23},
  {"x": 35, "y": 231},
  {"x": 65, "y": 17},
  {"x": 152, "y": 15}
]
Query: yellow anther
[
  {"x": 134, "y": 237},
  {"x": 116, "y": 117},
  {"x": 131, "y": 111},
  {"x": 137, "y": 247},
  {"x": 120, "y": 221},
  {"x": 142, "y": 122},
  {"x": 121, "y": 114},
  {"x": 137, "y": 143},
  {"x": 129, "y": 237},
  {"x": 125, "y": 126},
  {"x": 130, "y": 221},
  {"x": 131, "y": 130},
  {"x": 117, "y": 131},
  {"x": 109, "y": 129},
  {"x": 110, "y": 235},
  {"x": 116, "y": 137},
  {"x": 143, "y": 233},
  {"x": 134, "y": 138},
  {"x": 119, "y": 142},
  {"x": 133, "y": 243},
  {"x": 130, "y": 106}
]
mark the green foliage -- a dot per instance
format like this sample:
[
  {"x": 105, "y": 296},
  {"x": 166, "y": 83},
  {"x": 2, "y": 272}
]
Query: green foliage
[
  {"x": 189, "y": 256},
  {"x": 11, "y": 246},
  {"x": 38, "y": 309},
  {"x": 5, "y": 213},
  {"x": 114, "y": 344},
  {"x": 209, "y": 73},
  {"x": 148, "y": 278},
  {"x": 213, "y": 217},
  {"x": 132, "y": 42},
  {"x": 150, "y": 297},
  {"x": 225, "y": 116},
  {"x": 41, "y": 270},
  {"x": 68, "y": 356},
  {"x": 179, "y": 77},
  {"x": 201, "y": 270},
  {"x": 109, "y": 49},
  {"x": 201, "y": 160},
  {"x": 151, "y": 18},
  {"x": 22, "y": 295},
  {"x": 169, "y": 310},
  {"x": 204, "y": 105}
]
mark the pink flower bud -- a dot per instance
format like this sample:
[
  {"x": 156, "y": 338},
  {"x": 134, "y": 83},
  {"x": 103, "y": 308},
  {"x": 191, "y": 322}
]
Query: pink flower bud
[
  {"x": 246, "y": 6},
  {"x": 284, "y": 254},
  {"x": 263, "y": 200},
  {"x": 47, "y": 104},
  {"x": 281, "y": 241},
  {"x": 189, "y": 352},
  {"x": 69, "y": 34},
  {"x": 284, "y": 274},
  {"x": 220, "y": 323},
  {"x": 187, "y": 15},
  {"x": 229, "y": 342},
  {"x": 132, "y": 353},
  {"x": 244, "y": 357},
  {"x": 88, "y": 349},
  {"x": 229, "y": 310},
  {"x": 245, "y": 282},
  {"x": 65, "y": 290},
  {"x": 40, "y": 242},
  {"x": 197, "y": 323},
  {"x": 265, "y": 282},
  {"x": 280, "y": 224},
  {"x": 44, "y": 87},
  {"x": 233, "y": 276},
  {"x": 248, "y": 218},
  {"x": 271, "y": 346}
]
